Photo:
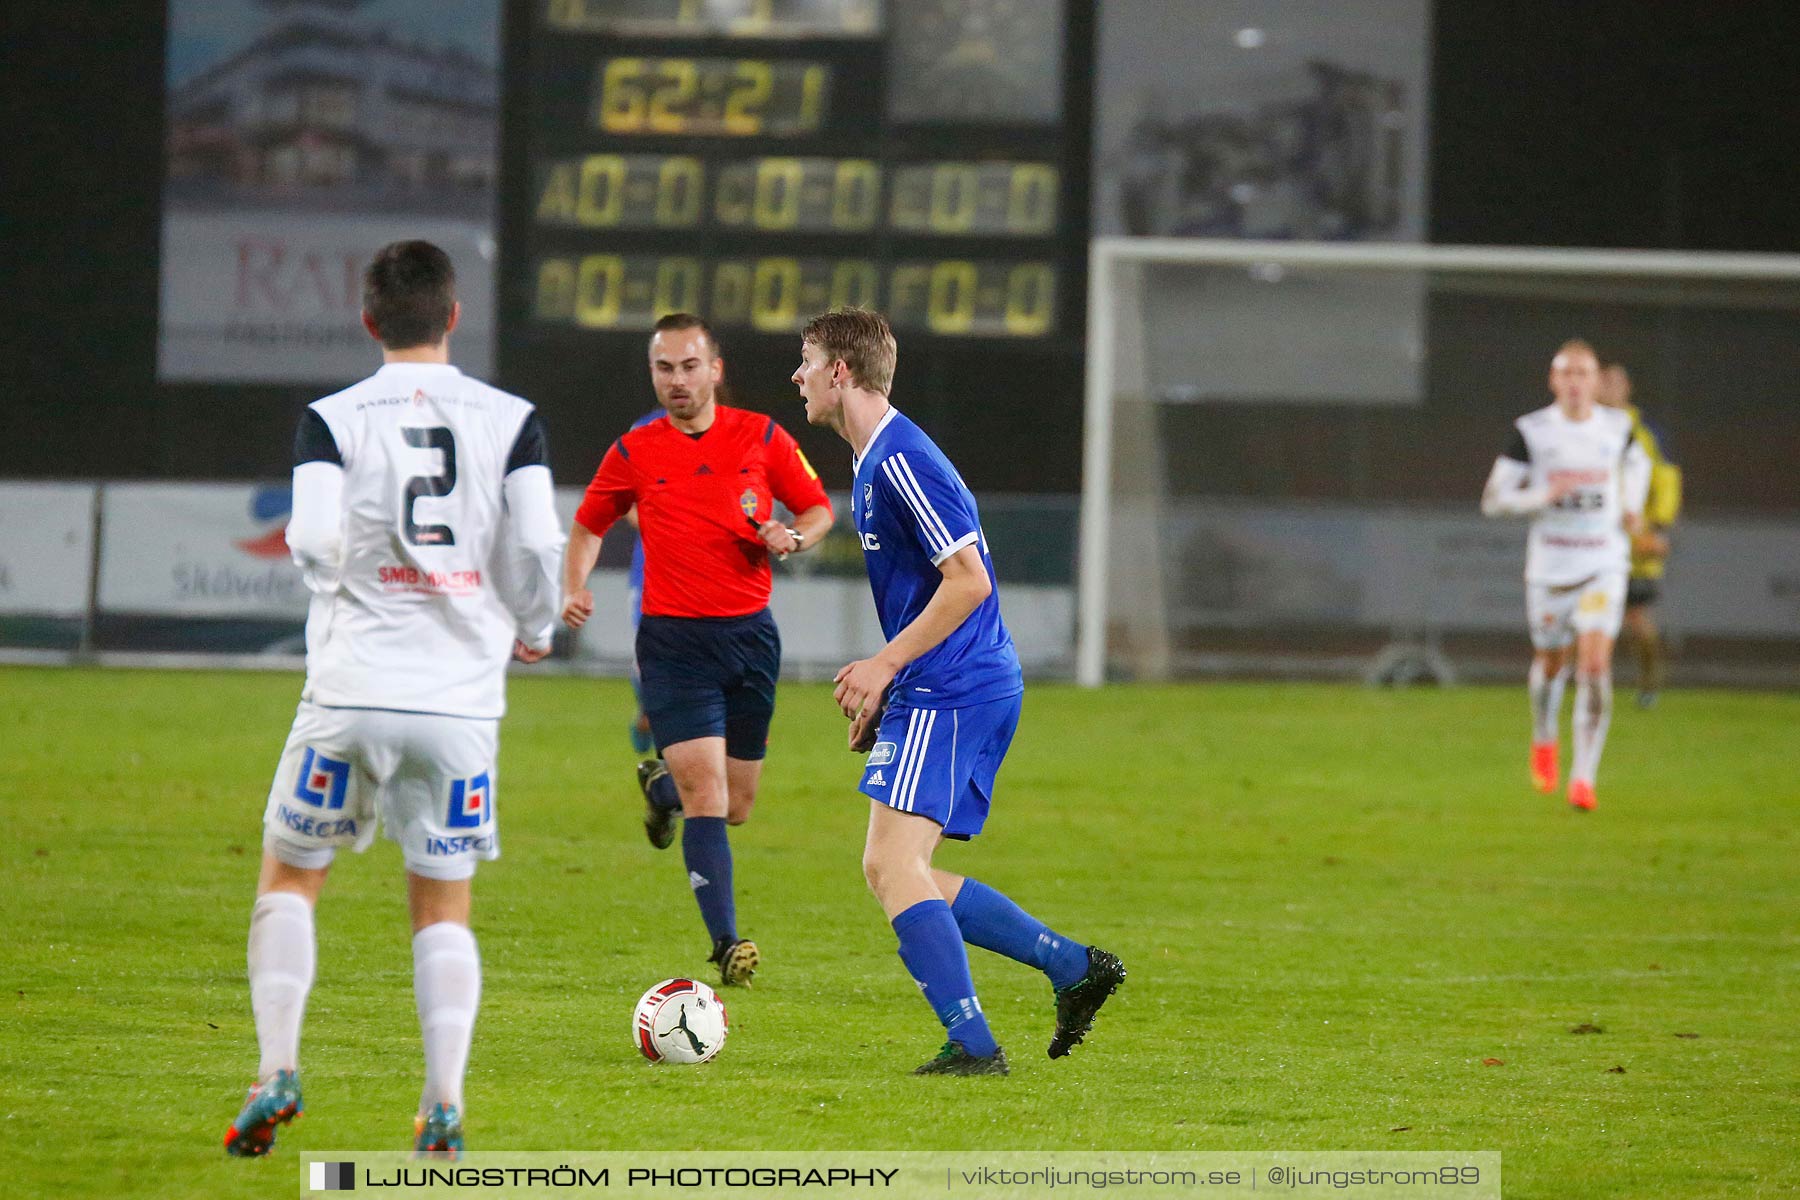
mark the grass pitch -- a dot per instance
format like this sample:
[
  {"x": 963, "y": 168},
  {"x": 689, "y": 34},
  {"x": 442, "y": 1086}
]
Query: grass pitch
[{"x": 1336, "y": 905}]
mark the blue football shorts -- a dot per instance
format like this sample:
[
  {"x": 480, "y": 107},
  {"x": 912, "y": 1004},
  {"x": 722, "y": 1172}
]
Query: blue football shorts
[
  {"x": 941, "y": 762},
  {"x": 710, "y": 677}
]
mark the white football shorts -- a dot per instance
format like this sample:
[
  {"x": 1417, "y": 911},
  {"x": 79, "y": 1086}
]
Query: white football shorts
[
  {"x": 429, "y": 779},
  {"x": 1558, "y": 614}
]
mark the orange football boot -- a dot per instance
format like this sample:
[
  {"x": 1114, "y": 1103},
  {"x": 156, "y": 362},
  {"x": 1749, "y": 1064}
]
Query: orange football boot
[
  {"x": 1581, "y": 794},
  {"x": 1544, "y": 769}
]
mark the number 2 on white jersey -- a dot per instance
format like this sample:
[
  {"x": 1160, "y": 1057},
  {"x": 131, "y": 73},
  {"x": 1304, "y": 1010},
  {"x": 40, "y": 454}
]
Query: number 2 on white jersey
[{"x": 436, "y": 437}]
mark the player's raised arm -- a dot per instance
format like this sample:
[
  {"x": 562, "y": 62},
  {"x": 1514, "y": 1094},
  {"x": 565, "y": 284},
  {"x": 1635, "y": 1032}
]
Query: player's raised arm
[{"x": 533, "y": 535}]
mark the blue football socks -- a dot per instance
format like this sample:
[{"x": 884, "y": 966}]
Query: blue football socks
[
  {"x": 989, "y": 920},
  {"x": 932, "y": 949},
  {"x": 707, "y": 852}
]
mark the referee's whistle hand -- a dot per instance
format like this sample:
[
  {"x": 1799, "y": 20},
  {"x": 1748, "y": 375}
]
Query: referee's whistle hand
[
  {"x": 578, "y": 606},
  {"x": 777, "y": 537}
]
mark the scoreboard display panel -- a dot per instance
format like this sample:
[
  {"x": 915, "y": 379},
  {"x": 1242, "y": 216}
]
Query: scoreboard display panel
[{"x": 760, "y": 161}]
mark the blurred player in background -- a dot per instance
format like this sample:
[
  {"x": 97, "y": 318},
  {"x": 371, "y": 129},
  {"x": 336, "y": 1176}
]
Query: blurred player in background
[
  {"x": 425, "y": 528},
  {"x": 1650, "y": 544},
  {"x": 704, "y": 479},
  {"x": 1575, "y": 469},
  {"x": 936, "y": 709}
]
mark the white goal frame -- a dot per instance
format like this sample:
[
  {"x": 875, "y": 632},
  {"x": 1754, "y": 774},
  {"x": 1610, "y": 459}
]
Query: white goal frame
[{"x": 1107, "y": 255}]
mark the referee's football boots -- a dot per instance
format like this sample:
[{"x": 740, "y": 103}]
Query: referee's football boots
[
  {"x": 737, "y": 960},
  {"x": 659, "y": 822},
  {"x": 269, "y": 1106},
  {"x": 1077, "y": 1003},
  {"x": 954, "y": 1060}
]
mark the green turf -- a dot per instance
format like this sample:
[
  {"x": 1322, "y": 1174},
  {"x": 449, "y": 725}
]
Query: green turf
[{"x": 1335, "y": 905}]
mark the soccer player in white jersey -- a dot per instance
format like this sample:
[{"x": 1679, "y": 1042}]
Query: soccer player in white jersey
[
  {"x": 425, "y": 528},
  {"x": 1575, "y": 469},
  {"x": 936, "y": 708}
]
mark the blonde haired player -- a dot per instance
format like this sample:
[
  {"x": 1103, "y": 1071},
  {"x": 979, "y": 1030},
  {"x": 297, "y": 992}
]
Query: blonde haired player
[{"x": 1574, "y": 468}]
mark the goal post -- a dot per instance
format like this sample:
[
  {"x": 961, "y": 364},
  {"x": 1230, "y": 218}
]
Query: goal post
[{"x": 1186, "y": 336}]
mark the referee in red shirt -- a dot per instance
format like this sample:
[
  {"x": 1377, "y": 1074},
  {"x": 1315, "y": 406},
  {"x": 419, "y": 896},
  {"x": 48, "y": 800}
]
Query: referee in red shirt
[{"x": 704, "y": 479}]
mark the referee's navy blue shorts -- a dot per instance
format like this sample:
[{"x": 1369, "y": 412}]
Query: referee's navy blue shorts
[{"x": 710, "y": 677}]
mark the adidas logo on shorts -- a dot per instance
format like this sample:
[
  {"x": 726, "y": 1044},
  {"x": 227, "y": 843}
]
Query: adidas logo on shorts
[{"x": 878, "y": 780}]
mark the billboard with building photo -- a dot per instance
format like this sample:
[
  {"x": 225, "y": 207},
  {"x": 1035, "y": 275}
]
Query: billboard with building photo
[{"x": 302, "y": 135}]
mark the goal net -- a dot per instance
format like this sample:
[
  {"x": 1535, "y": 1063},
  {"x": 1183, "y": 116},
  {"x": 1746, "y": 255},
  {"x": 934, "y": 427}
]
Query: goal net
[{"x": 1285, "y": 446}]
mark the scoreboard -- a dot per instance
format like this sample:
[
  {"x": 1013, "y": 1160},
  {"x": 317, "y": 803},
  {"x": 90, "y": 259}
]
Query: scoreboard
[{"x": 759, "y": 161}]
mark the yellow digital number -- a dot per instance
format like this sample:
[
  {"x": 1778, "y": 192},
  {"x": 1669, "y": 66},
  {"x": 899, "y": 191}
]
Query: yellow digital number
[
  {"x": 950, "y": 307},
  {"x": 1030, "y": 299},
  {"x": 754, "y": 81},
  {"x": 602, "y": 193},
  {"x": 665, "y": 104},
  {"x": 557, "y": 202},
  {"x": 812, "y": 98},
  {"x": 777, "y": 204},
  {"x": 853, "y": 283},
  {"x": 1031, "y": 199},
  {"x": 599, "y": 285},
  {"x": 622, "y": 98},
  {"x": 731, "y": 293},
  {"x": 775, "y": 294},
  {"x": 855, "y": 195},
  {"x": 953, "y": 198},
  {"x": 677, "y": 285},
  {"x": 555, "y": 290},
  {"x": 736, "y": 191},
  {"x": 680, "y": 181}
]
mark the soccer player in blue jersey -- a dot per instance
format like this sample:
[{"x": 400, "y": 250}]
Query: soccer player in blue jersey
[{"x": 936, "y": 709}]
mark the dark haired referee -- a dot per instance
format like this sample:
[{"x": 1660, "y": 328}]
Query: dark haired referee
[{"x": 704, "y": 478}]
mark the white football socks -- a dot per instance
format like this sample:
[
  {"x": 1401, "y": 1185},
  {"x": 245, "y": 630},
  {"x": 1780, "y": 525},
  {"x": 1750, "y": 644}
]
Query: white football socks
[
  {"x": 1593, "y": 713},
  {"x": 1546, "y": 701},
  {"x": 447, "y": 985},
  {"x": 281, "y": 957}
]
